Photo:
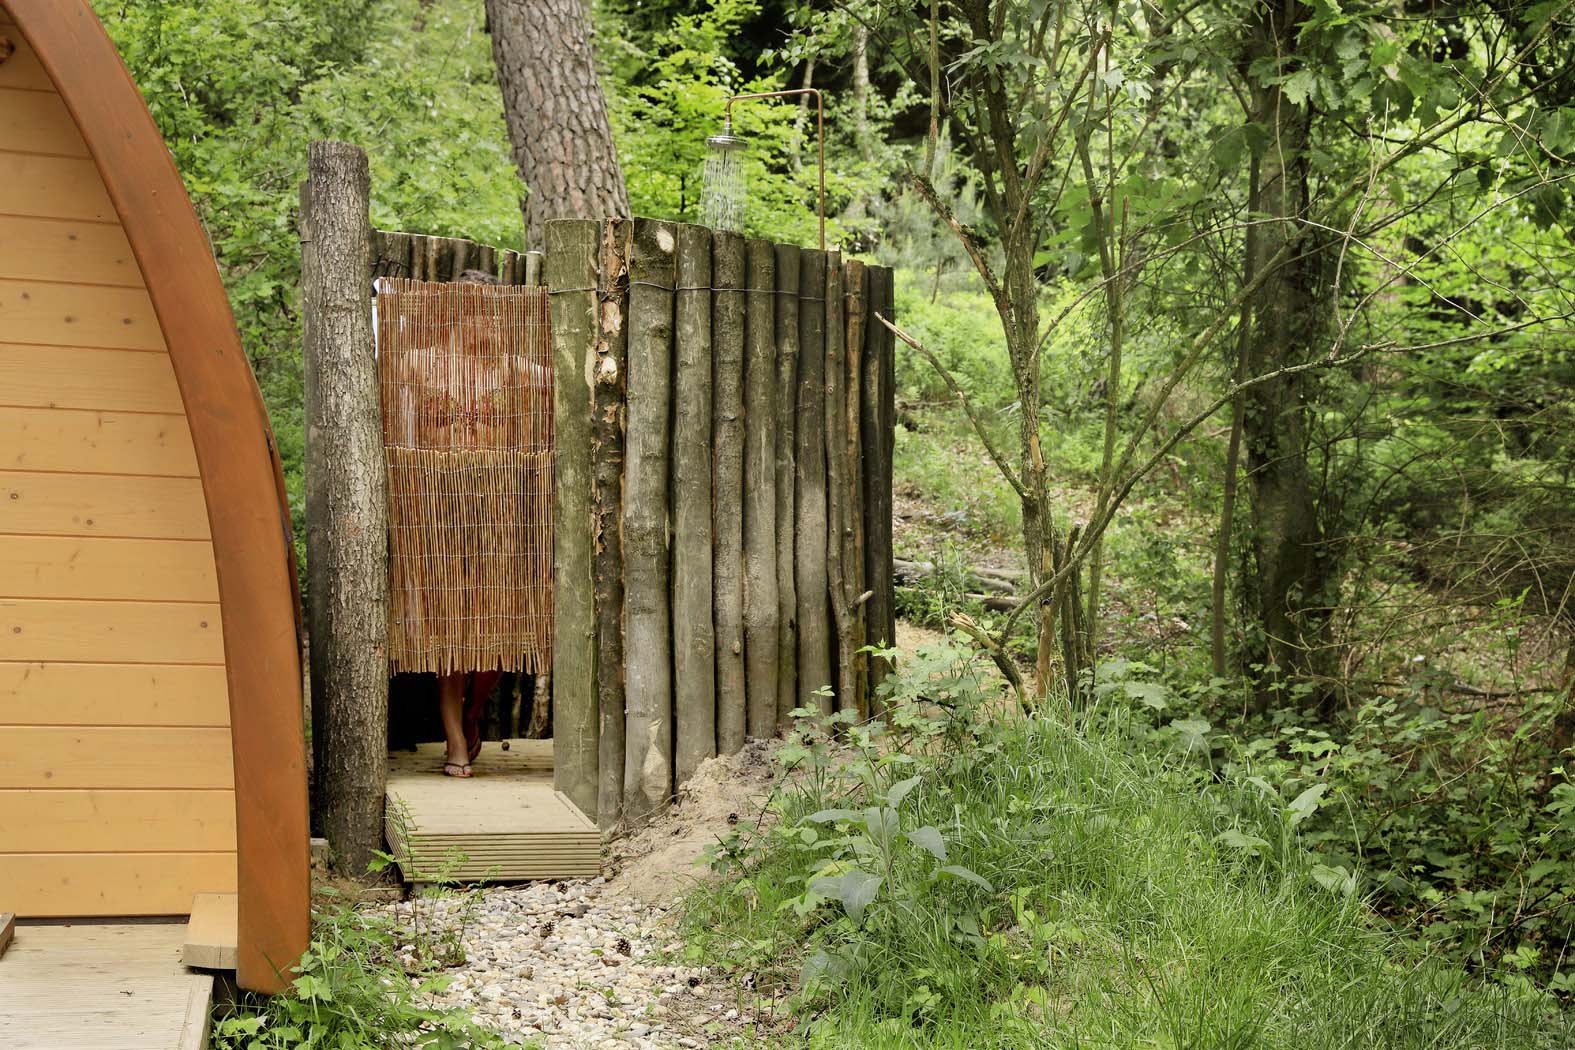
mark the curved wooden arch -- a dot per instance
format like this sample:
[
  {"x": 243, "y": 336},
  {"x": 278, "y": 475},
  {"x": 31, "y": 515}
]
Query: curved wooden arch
[{"x": 241, "y": 481}]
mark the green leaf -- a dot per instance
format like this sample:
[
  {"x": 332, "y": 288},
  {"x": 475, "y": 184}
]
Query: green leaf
[
  {"x": 856, "y": 890},
  {"x": 899, "y": 791},
  {"x": 1306, "y": 804},
  {"x": 968, "y": 876},
  {"x": 929, "y": 839},
  {"x": 1299, "y": 85}
]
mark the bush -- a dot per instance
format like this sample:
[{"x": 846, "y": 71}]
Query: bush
[
  {"x": 352, "y": 992},
  {"x": 970, "y": 878}
]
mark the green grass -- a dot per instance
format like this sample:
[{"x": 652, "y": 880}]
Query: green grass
[{"x": 1112, "y": 898}]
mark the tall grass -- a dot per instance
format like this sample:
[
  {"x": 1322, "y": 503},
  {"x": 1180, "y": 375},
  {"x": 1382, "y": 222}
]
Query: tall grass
[{"x": 1043, "y": 883}]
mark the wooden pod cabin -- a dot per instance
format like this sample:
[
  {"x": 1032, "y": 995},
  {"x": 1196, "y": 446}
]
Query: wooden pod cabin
[{"x": 151, "y": 742}]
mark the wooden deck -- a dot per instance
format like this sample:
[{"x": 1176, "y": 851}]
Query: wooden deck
[
  {"x": 101, "y": 986},
  {"x": 505, "y": 824}
]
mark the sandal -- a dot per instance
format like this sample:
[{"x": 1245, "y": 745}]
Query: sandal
[{"x": 457, "y": 770}]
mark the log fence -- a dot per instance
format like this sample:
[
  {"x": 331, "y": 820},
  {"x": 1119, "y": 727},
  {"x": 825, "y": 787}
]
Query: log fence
[
  {"x": 722, "y": 422},
  {"x": 719, "y": 488}
]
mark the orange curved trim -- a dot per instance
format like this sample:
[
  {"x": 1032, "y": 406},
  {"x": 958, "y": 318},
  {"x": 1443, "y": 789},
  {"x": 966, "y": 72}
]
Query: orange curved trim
[{"x": 235, "y": 453}]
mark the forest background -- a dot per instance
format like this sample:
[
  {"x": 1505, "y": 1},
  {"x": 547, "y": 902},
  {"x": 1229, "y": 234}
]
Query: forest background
[{"x": 1381, "y": 634}]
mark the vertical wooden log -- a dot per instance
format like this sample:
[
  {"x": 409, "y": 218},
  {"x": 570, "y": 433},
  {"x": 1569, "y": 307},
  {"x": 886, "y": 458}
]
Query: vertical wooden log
[
  {"x": 837, "y": 466},
  {"x": 572, "y": 250},
  {"x": 346, "y": 507},
  {"x": 694, "y": 648},
  {"x": 855, "y": 281},
  {"x": 786, "y": 338},
  {"x": 487, "y": 259},
  {"x": 648, "y": 760},
  {"x": 532, "y": 272},
  {"x": 608, "y": 401},
  {"x": 876, "y": 421},
  {"x": 761, "y": 612},
  {"x": 727, "y": 490},
  {"x": 810, "y": 580},
  {"x": 460, "y": 251},
  {"x": 508, "y": 269}
]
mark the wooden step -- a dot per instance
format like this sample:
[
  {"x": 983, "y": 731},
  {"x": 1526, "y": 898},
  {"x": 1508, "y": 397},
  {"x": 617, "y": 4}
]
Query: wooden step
[
  {"x": 101, "y": 986},
  {"x": 504, "y": 824}
]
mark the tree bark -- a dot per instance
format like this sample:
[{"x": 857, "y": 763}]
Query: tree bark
[
  {"x": 694, "y": 640},
  {"x": 648, "y": 761},
  {"x": 761, "y": 610},
  {"x": 573, "y": 250},
  {"x": 346, "y": 507},
  {"x": 875, "y": 433},
  {"x": 607, "y": 457},
  {"x": 1238, "y": 411},
  {"x": 1293, "y": 574},
  {"x": 727, "y": 438},
  {"x": 786, "y": 329},
  {"x": 556, "y": 115},
  {"x": 855, "y": 282},
  {"x": 834, "y": 404},
  {"x": 810, "y": 580}
]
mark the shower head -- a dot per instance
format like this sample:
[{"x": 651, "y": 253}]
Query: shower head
[
  {"x": 722, "y": 188},
  {"x": 726, "y": 140}
]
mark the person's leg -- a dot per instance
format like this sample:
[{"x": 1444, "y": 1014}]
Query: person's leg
[
  {"x": 478, "y": 686},
  {"x": 451, "y": 706}
]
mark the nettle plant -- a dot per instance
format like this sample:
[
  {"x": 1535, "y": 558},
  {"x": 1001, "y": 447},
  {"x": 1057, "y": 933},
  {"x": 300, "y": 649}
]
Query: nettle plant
[{"x": 860, "y": 860}]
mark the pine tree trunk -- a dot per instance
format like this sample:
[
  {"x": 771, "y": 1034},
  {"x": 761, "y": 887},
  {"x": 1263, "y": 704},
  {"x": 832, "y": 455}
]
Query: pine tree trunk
[
  {"x": 648, "y": 636},
  {"x": 556, "y": 115},
  {"x": 573, "y": 250},
  {"x": 346, "y": 507},
  {"x": 761, "y": 611},
  {"x": 694, "y": 640}
]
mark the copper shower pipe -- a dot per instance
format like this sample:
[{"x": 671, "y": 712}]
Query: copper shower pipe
[{"x": 820, "y": 130}]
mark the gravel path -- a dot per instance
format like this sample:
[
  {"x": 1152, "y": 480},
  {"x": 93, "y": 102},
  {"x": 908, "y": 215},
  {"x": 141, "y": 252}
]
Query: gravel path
[{"x": 561, "y": 963}]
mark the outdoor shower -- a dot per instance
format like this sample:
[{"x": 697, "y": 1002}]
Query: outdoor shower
[{"x": 723, "y": 189}]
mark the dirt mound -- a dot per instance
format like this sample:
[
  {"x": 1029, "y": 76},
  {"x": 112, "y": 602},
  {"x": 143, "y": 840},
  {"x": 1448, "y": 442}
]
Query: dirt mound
[{"x": 657, "y": 863}]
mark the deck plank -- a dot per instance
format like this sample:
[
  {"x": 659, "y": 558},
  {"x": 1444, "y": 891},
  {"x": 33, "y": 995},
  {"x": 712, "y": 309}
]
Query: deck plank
[{"x": 101, "y": 986}]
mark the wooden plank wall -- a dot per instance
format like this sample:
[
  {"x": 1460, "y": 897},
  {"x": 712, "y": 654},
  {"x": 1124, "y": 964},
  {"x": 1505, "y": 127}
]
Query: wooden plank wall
[
  {"x": 795, "y": 472},
  {"x": 116, "y": 786}
]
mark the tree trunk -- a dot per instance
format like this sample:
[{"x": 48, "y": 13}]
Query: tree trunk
[
  {"x": 346, "y": 507},
  {"x": 761, "y": 612},
  {"x": 727, "y": 438},
  {"x": 853, "y": 579},
  {"x": 814, "y": 606},
  {"x": 835, "y": 407},
  {"x": 694, "y": 639},
  {"x": 573, "y": 250},
  {"x": 801, "y": 121},
  {"x": 607, "y": 456},
  {"x": 1238, "y": 405},
  {"x": 861, "y": 93},
  {"x": 875, "y": 434},
  {"x": 1293, "y": 574},
  {"x": 648, "y": 636},
  {"x": 556, "y": 115},
  {"x": 786, "y": 326}
]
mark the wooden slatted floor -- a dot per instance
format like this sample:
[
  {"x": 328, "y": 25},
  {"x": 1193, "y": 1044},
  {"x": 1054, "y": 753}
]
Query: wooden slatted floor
[
  {"x": 505, "y": 824},
  {"x": 101, "y": 986}
]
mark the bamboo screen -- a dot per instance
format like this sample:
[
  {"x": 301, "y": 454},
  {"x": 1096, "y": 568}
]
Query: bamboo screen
[{"x": 465, "y": 375}]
